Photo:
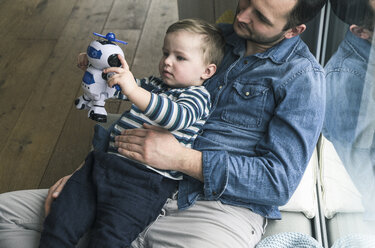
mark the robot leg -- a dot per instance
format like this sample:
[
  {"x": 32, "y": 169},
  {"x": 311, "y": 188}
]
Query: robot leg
[
  {"x": 82, "y": 102},
  {"x": 98, "y": 112}
]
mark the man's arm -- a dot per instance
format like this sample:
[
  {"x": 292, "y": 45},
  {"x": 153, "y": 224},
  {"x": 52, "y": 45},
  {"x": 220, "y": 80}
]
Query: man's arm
[
  {"x": 271, "y": 175},
  {"x": 159, "y": 148},
  {"x": 267, "y": 178}
]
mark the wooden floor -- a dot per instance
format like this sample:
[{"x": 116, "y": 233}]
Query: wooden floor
[{"x": 42, "y": 136}]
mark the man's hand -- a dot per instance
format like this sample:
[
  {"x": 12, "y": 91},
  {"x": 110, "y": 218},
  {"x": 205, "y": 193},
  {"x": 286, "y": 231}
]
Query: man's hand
[
  {"x": 158, "y": 148},
  {"x": 152, "y": 146},
  {"x": 54, "y": 192}
]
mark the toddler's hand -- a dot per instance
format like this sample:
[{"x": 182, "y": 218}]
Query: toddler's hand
[
  {"x": 54, "y": 192},
  {"x": 82, "y": 61},
  {"x": 122, "y": 77}
]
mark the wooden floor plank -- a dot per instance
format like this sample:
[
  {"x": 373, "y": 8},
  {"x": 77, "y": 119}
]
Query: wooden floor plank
[
  {"x": 41, "y": 19},
  {"x": 12, "y": 12},
  {"x": 50, "y": 137},
  {"x": 128, "y": 14},
  {"x": 42, "y": 120},
  {"x": 19, "y": 81},
  {"x": 188, "y": 9},
  {"x": 162, "y": 14}
]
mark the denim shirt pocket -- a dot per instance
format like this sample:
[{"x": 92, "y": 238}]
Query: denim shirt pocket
[{"x": 246, "y": 105}]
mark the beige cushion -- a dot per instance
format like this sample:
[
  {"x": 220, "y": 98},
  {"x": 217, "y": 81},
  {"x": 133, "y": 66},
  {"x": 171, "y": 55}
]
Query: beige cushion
[
  {"x": 338, "y": 191},
  {"x": 304, "y": 198}
]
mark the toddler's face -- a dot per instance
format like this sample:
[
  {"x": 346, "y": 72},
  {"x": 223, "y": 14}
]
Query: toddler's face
[{"x": 182, "y": 63}]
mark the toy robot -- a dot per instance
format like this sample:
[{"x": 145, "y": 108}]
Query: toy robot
[{"x": 101, "y": 54}]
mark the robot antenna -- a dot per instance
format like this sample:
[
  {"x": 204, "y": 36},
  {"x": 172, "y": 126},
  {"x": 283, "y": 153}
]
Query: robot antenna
[{"x": 111, "y": 37}]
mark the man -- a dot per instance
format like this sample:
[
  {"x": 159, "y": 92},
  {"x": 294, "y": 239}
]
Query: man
[
  {"x": 268, "y": 110},
  {"x": 349, "y": 122}
]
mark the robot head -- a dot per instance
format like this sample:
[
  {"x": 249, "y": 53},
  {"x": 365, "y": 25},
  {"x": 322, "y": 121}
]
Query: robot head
[{"x": 103, "y": 54}]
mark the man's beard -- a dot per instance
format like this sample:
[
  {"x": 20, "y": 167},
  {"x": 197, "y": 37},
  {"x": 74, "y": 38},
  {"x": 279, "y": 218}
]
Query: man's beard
[
  {"x": 256, "y": 38},
  {"x": 250, "y": 36}
]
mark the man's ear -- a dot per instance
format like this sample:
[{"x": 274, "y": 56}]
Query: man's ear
[
  {"x": 209, "y": 72},
  {"x": 360, "y": 32},
  {"x": 295, "y": 31}
]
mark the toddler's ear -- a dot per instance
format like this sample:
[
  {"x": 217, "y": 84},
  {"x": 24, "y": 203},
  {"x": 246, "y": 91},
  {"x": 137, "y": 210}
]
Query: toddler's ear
[{"x": 209, "y": 72}]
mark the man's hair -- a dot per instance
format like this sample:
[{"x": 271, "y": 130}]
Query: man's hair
[
  {"x": 304, "y": 11},
  {"x": 358, "y": 12},
  {"x": 213, "y": 42}
]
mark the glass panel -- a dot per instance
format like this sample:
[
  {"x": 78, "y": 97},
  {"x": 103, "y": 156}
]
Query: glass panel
[{"x": 348, "y": 150}]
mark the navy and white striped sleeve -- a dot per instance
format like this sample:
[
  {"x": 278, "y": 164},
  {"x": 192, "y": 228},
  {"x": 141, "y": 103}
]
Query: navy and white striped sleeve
[
  {"x": 192, "y": 104},
  {"x": 147, "y": 83}
]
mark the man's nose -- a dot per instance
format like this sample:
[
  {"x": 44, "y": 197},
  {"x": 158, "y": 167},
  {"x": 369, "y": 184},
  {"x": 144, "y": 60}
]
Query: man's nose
[{"x": 244, "y": 15}]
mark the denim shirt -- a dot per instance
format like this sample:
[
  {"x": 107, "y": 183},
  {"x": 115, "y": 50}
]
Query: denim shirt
[
  {"x": 267, "y": 115},
  {"x": 346, "y": 78}
]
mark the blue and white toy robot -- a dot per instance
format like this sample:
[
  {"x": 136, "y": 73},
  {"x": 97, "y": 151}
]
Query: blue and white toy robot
[{"x": 101, "y": 55}]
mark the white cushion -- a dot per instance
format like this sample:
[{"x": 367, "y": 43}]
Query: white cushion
[
  {"x": 338, "y": 191},
  {"x": 304, "y": 198}
]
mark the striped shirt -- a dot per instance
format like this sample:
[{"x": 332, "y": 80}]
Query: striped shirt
[{"x": 182, "y": 111}]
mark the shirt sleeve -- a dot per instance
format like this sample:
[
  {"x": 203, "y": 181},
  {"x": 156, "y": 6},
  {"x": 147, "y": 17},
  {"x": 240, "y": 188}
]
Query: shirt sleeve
[
  {"x": 147, "y": 83},
  {"x": 282, "y": 154},
  {"x": 191, "y": 105}
]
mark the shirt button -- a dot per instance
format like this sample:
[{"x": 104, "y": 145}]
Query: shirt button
[
  {"x": 220, "y": 87},
  {"x": 247, "y": 93}
]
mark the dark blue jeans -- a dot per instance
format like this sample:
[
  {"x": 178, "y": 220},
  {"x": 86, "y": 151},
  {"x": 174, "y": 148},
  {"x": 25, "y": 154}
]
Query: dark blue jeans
[{"x": 113, "y": 197}]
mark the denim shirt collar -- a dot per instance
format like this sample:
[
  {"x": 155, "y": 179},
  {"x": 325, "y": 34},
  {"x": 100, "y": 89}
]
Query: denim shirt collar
[
  {"x": 278, "y": 54},
  {"x": 360, "y": 46}
]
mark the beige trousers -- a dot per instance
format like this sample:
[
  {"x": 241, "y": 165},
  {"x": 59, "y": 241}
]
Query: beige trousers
[{"x": 206, "y": 224}]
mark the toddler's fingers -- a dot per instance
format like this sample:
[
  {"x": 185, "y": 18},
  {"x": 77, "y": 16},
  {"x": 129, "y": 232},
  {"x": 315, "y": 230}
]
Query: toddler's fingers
[
  {"x": 116, "y": 70},
  {"x": 123, "y": 62}
]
